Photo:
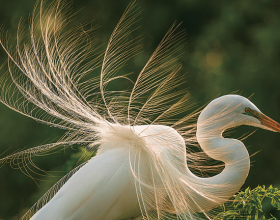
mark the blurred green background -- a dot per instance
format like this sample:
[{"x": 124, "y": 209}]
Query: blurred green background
[{"x": 230, "y": 46}]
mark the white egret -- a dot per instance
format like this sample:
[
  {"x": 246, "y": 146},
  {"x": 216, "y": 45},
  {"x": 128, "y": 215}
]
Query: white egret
[{"x": 140, "y": 168}]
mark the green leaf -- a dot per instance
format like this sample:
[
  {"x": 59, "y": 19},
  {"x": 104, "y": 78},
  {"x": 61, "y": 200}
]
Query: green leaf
[{"x": 247, "y": 204}]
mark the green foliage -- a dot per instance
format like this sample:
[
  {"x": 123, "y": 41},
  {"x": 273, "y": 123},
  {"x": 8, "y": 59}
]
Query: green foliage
[{"x": 248, "y": 204}]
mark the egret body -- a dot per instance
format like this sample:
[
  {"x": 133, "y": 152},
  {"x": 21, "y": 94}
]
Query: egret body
[
  {"x": 108, "y": 185},
  {"x": 140, "y": 168}
]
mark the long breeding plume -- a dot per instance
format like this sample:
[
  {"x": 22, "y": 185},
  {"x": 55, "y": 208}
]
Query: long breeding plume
[{"x": 140, "y": 168}]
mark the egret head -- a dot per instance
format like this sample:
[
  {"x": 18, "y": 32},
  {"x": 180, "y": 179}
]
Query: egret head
[{"x": 234, "y": 110}]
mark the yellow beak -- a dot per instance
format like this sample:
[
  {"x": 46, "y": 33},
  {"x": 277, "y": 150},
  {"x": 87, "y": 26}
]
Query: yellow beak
[{"x": 267, "y": 122}]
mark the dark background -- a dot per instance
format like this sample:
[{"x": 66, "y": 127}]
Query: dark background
[{"x": 230, "y": 46}]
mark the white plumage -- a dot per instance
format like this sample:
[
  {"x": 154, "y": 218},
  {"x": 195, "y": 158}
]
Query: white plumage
[{"x": 140, "y": 168}]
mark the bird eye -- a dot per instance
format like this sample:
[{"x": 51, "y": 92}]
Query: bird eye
[{"x": 247, "y": 109}]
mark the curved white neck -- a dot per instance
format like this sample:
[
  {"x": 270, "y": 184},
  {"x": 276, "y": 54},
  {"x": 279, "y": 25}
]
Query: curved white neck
[
  {"x": 235, "y": 156},
  {"x": 233, "y": 153}
]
